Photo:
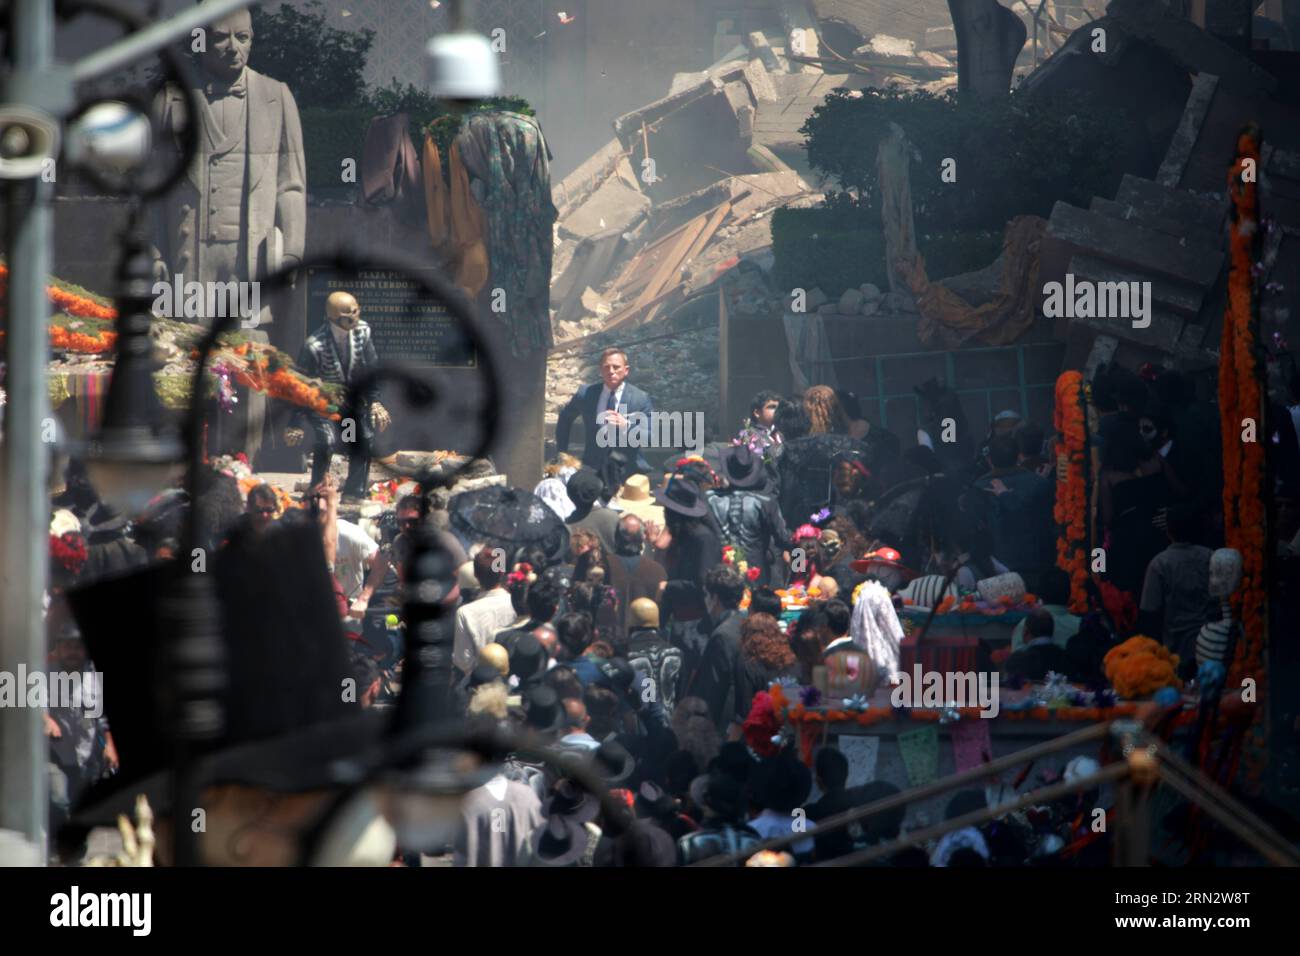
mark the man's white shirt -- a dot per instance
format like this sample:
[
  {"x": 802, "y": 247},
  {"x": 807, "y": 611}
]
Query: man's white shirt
[{"x": 352, "y": 558}]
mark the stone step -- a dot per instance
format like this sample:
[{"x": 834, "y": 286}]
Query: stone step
[
  {"x": 1175, "y": 296},
  {"x": 1163, "y": 334},
  {"x": 1072, "y": 231},
  {"x": 1178, "y": 228},
  {"x": 1151, "y": 199}
]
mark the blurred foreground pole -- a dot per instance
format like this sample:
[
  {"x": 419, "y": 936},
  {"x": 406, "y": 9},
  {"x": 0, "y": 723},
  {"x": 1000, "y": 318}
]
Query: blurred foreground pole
[{"x": 24, "y": 523}]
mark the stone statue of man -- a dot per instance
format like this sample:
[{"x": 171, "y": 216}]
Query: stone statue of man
[{"x": 241, "y": 211}]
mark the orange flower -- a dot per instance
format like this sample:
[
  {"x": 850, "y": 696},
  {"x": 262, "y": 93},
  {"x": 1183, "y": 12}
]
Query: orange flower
[
  {"x": 1240, "y": 399},
  {"x": 61, "y": 338}
]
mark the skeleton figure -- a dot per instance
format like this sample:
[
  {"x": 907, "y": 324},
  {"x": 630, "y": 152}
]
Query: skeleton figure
[
  {"x": 341, "y": 351},
  {"x": 137, "y": 841},
  {"x": 1225, "y": 578}
]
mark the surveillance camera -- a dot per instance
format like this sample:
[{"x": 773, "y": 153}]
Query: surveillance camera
[
  {"x": 28, "y": 139},
  {"x": 462, "y": 66}
]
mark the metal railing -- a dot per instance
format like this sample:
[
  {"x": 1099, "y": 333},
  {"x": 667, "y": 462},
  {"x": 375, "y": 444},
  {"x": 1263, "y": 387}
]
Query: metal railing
[{"x": 1145, "y": 762}]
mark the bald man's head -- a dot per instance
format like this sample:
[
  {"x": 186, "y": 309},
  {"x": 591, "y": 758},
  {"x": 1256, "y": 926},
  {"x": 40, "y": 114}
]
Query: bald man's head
[
  {"x": 547, "y": 637},
  {"x": 629, "y": 536},
  {"x": 342, "y": 310},
  {"x": 575, "y": 714}
]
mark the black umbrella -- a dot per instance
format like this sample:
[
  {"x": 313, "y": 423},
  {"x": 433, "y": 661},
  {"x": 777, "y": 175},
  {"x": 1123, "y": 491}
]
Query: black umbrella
[{"x": 509, "y": 518}]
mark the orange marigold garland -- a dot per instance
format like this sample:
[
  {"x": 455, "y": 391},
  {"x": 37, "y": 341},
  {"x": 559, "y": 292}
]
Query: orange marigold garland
[
  {"x": 1243, "y": 461},
  {"x": 1071, "y": 508}
]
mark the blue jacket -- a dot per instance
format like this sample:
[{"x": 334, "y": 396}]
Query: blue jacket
[{"x": 584, "y": 405}]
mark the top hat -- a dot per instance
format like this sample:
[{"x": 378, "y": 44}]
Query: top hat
[
  {"x": 683, "y": 497},
  {"x": 286, "y": 724},
  {"x": 742, "y": 468},
  {"x": 528, "y": 659},
  {"x": 542, "y": 708},
  {"x": 584, "y": 488}
]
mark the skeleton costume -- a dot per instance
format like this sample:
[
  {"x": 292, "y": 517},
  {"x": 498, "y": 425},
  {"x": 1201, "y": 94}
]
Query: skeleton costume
[{"x": 333, "y": 355}]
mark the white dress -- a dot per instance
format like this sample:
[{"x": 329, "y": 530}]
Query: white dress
[{"x": 875, "y": 628}]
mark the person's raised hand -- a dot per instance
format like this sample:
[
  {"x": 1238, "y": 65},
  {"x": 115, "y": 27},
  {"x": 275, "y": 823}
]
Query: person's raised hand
[{"x": 379, "y": 417}]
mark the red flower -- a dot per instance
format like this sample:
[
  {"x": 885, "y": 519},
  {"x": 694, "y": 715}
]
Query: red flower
[
  {"x": 752, "y": 574},
  {"x": 762, "y": 725},
  {"x": 69, "y": 551}
]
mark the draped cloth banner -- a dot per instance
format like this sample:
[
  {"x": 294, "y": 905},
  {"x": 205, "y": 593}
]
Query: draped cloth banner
[
  {"x": 920, "y": 749},
  {"x": 861, "y": 752},
  {"x": 972, "y": 743}
]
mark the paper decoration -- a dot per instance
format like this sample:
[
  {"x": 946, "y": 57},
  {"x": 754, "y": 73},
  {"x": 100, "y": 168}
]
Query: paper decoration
[
  {"x": 972, "y": 744},
  {"x": 861, "y": 752},
  {"x": 920, "y": 749}
]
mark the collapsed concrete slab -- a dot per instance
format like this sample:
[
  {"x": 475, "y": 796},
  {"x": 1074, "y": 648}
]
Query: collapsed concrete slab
[{"x": 693, "y": 137}]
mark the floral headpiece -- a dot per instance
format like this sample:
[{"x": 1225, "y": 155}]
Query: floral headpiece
[
  {"x": 69, "y": 550},
  {"x": 696, "y": 469},
  {"x": 806, "y": 531},
  {"x": 523, "y": 572}
]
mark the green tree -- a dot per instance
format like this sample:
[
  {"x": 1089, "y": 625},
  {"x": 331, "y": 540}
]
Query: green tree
[{"x": 322, "y": 65}]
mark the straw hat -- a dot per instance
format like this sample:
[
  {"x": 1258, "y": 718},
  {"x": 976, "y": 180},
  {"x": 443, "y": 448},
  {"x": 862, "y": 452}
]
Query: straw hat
[{"x": 634, "y": 497}]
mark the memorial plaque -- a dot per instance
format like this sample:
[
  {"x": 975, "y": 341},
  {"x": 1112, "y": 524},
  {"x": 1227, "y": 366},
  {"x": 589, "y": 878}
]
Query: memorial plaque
[{"x": 406, "y": 324}]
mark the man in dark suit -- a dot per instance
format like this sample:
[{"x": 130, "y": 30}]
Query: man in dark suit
[{"x": 608, "y": 404}]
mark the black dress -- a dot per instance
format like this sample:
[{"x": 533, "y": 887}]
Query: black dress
[{"x": 1134, "y": 540}]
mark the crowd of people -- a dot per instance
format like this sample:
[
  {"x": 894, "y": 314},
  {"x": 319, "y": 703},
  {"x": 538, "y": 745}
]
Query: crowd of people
[{"x": 640, "y": 645}]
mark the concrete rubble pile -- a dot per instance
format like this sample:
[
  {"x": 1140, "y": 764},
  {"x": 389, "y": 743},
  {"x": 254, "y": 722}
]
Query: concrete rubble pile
[
  {"x": 1169, "y": 229},
  {"x": 641, "y": 247}
]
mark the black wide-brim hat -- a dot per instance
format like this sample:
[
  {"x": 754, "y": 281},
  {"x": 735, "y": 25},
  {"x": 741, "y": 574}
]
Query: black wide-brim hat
[
  {"x": 683, "y": 497},
  {"x": 568, "y": 799},
  {"x": 615, "y": 763},
  {"x": 560, "y": 841},
  {"x": 287, "y": 726},
  {"x": 742, "y": 468}
]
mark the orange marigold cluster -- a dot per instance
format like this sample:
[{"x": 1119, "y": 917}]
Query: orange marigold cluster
[
  {"x": 69, "y": 302},
  {"x": 1140, "y": 666},
  {"x": 1243, "y": 461},
  {"x": 1071, "y": 508},
  {"x": 68, "y": 341}
]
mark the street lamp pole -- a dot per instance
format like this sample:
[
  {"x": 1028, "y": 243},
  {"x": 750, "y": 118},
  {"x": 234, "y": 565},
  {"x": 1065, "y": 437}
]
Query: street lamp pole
[
  {"x": 24, "y": 464},
  {"x": 34, "y": 79}
]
